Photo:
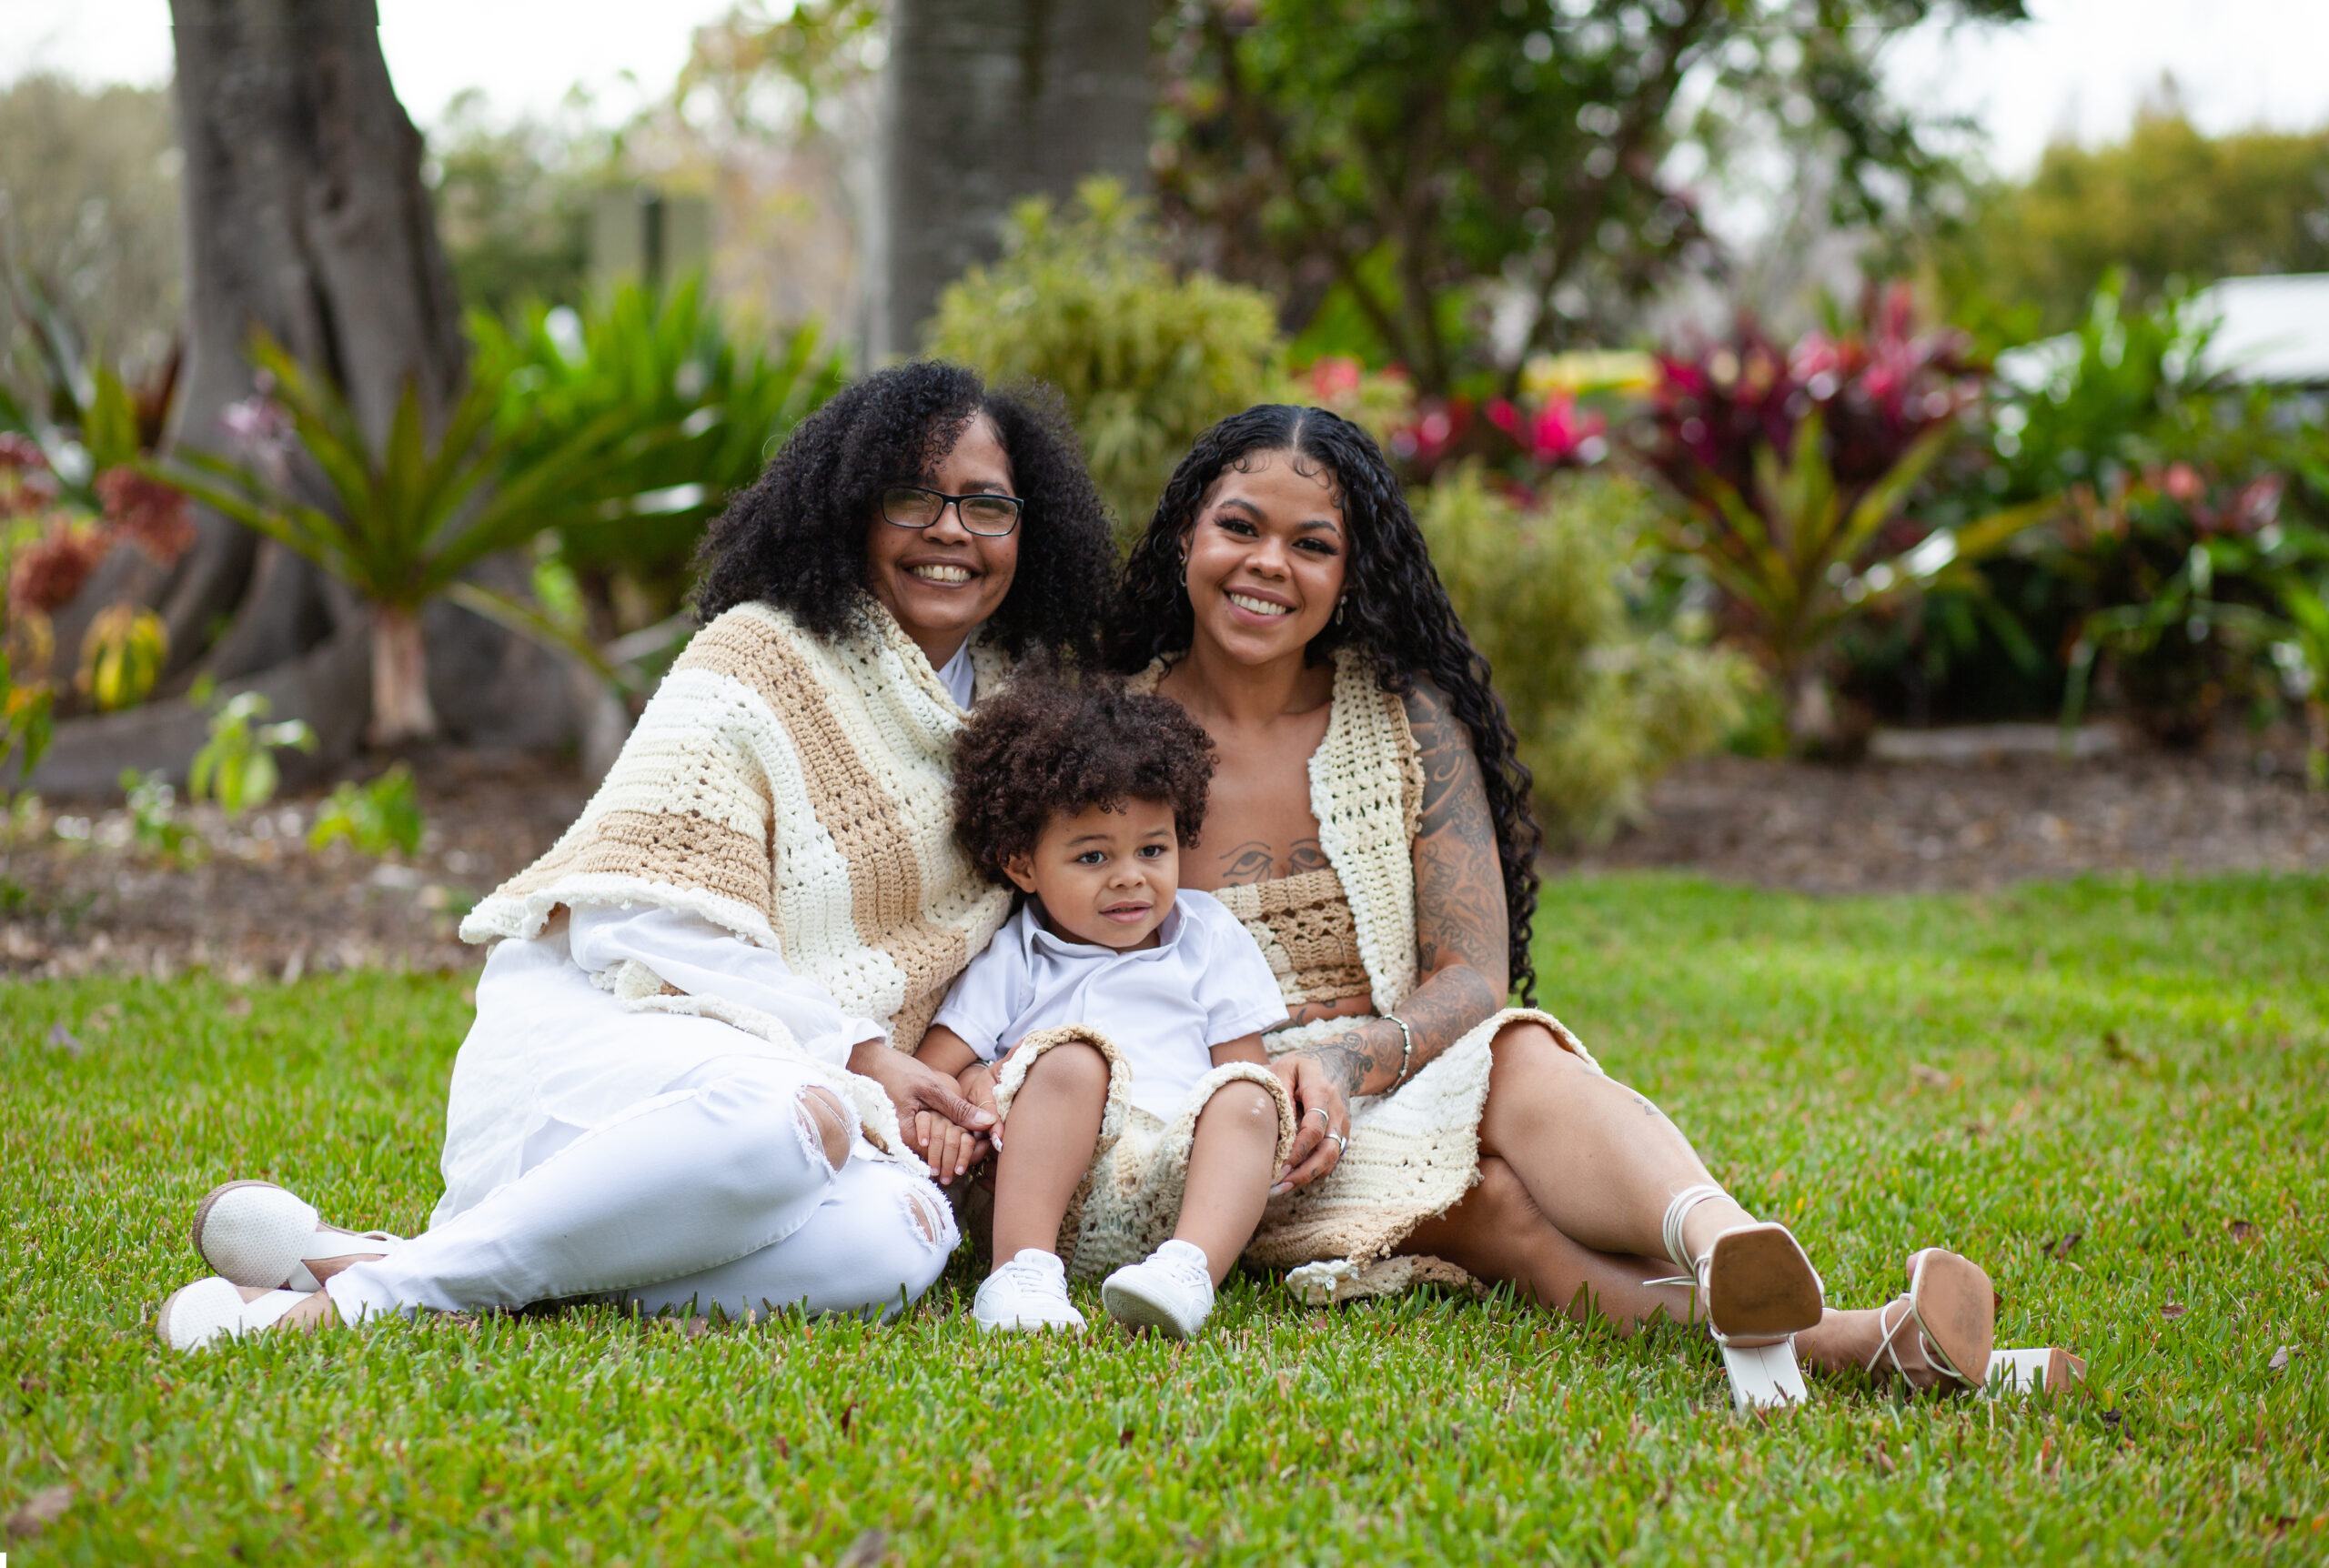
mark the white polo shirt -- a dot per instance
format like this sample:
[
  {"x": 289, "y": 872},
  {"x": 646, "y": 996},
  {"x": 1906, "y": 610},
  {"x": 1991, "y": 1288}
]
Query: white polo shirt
[{"x": 1204, "y": 983}]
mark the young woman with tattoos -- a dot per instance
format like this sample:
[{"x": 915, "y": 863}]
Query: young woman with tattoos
[{"x": 1370, "y": 824}]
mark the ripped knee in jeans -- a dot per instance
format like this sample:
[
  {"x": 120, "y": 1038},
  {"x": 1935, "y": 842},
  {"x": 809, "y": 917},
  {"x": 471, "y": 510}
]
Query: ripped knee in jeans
[
  {"x": 932, "y": 1220},
  {"x": 827, "y": 1124}
]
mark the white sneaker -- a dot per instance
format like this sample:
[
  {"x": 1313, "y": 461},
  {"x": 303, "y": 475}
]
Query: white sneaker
[
  {"x": 1030, "y": 1291},
  {"x": 1171, "y": 1291}
]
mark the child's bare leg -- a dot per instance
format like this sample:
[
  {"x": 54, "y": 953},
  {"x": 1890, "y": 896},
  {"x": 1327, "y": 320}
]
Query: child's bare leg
[
  {"x": 1230, "y": 1166},
  {"x": 1053, "y": 1129}
]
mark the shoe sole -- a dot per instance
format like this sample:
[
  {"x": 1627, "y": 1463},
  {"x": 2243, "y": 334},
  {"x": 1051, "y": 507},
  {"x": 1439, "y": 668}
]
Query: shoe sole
[
  {"x": 1136, "y": 1311},
  {"x": 1760, "y": 1283},
  {"x": 1956, "y": 1308},
  {"x": 1025, "y": 1326}
]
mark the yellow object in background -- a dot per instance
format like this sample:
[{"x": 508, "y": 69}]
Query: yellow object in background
[{"x": 122, "y": 656}]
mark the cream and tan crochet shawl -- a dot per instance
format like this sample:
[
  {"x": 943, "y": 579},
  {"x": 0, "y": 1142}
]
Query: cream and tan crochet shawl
[{"x": 796, "y": 790}]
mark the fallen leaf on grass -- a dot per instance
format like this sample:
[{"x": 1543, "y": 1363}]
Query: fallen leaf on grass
[
  {"x": 1884, "y": 1460},
  {"x": 2174, "y": 1310},
  {"x": 2280, "y": 1361},
  {"x": 2241, "y": 1230},
  {"x": 240, "y": 1007},
  {"x": 1931, "y": 1077},
  {"x": 2061, "y": 1246},
  {"x": 866, "y": 1551},
  {"x": 41, "y": 1510}
]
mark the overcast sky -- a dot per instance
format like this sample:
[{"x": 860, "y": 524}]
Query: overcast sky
[{"x": 2081, "y": 67}]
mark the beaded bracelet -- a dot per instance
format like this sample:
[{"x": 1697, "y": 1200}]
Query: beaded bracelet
[{"x": 1407, "y": 1049}]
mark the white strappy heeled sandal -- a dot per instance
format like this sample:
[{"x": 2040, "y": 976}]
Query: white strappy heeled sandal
[
  {"x": 259, "y": 1234},
  {"x": 1953, "y": 1308},
  {"x": 1759, "y": 1291}
]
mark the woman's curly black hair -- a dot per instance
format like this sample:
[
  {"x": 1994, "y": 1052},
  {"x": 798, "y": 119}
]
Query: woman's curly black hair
[
  {"x": 1394, "y": 608},
  {"x": 796, "y": 538},
  {"x": 1044, "y": 746}
]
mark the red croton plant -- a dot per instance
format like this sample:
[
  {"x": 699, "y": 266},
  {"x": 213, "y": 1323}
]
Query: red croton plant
[
  {"x": 1793, "y": 468},
  {"x": 50, "y": 549}
]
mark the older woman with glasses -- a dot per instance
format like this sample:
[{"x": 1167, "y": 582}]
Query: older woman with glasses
[{"x": 680, "y": 1086}]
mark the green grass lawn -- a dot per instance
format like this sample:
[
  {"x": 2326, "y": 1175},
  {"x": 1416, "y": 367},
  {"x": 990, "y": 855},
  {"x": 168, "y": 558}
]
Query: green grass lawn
[{"x": 2111, "y": 1093}]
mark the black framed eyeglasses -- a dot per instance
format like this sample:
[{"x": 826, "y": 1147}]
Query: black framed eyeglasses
[{"x": 912, "y": 506}]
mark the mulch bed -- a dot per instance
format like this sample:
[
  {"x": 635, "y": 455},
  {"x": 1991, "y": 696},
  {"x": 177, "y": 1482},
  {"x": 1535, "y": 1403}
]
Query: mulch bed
[
  {"x": 1889, "y": 827},
  {"x": 261, "y": 904}
]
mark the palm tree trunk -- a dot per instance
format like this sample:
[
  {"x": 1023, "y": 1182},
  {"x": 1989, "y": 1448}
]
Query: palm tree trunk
[
  {"x": 987, "y": 101},
  {"x": 401, "y": 708}
]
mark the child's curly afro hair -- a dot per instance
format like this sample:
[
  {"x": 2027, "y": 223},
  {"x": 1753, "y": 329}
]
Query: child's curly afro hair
[{"x": 1046, "y": 745}]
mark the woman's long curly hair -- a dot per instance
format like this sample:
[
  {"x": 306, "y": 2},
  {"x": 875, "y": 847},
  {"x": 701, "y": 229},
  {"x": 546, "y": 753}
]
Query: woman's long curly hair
[
  {"x": 796, "y": 538},
  {"x": 1394, "y": 610}
]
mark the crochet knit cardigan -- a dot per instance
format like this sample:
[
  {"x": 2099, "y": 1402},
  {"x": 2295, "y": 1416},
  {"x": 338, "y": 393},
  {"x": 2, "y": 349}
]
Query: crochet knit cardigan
[{"x": 796, "y": 790}]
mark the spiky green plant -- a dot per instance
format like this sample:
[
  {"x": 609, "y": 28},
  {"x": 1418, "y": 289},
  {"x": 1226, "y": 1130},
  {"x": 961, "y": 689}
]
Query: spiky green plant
[{"x": 407, "y": 514}]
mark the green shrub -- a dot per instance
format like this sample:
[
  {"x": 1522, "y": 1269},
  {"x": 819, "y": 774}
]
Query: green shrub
[
  {"x": 372, "y": 819},
  {"x": 1601, "y": 698},
  {"x": 1146, "y": 360},
  {"x": 237, "y": 764},
  {"x": 705, "y": 407}
]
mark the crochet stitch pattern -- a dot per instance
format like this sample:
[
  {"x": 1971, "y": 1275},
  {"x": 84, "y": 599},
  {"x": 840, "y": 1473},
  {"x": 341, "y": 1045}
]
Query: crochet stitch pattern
[
  {"x": 793, "y": 790},
  {"x": 1414, "y": 1153}
]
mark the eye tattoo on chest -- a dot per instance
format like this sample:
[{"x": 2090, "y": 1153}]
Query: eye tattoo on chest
[{"x": 1257, "y": 861}]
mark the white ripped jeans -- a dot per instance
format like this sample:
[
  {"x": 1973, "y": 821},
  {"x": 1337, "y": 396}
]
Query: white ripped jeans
[{"x": 717, "y": 1191}]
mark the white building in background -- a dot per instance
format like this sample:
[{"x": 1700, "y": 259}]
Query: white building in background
[{"x": 2270, "y": 331}]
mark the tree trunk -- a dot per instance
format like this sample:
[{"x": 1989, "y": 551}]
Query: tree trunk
[
  {"x": 305, "y": 215},
  {"x": 401, "y": 708},
  {"x": 989, "y": 101}
]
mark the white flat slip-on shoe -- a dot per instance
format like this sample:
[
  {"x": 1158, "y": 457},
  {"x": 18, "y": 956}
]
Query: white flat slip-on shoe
[
  {"x": 1029, "y": 1292},
  {"x": 259, "y": 1234},
  {"x": 1171, "y": 1291},
  {"x": 194, "y": 1316}
]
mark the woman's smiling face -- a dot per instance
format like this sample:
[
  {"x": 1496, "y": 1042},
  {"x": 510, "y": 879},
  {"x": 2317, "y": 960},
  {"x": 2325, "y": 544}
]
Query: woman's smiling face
[
  {"x": 1267, "y": 557},
  {"x": 942, "y": 582}
]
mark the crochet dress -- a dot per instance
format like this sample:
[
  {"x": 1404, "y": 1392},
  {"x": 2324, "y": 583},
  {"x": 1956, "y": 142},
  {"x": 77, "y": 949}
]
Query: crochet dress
[{"x": 1350, "y": 931}]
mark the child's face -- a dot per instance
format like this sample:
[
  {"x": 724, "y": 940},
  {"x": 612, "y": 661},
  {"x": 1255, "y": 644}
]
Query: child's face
[{"x": 1105, "y": 876}]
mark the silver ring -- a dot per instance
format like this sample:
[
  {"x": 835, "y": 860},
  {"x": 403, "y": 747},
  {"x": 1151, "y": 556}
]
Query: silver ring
[
  {"x": 1322, "y": 1112},
  {"x": 1342, "y": 1144}
]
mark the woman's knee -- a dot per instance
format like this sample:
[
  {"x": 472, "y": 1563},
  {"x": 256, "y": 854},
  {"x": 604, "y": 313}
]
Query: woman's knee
[
  {"x": 1525, "y": 1043},
  {"x": 746, "y": 1106},
  {"x": 1500, "y": 1198},
  {"x": 824, "y": 1119}
]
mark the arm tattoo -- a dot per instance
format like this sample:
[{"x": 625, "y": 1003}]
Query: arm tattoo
[
  {"x": 1460, "y": 917},
  {"x": 1461, "y": 931},
  {"x": 1365, "y": 1058}
]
